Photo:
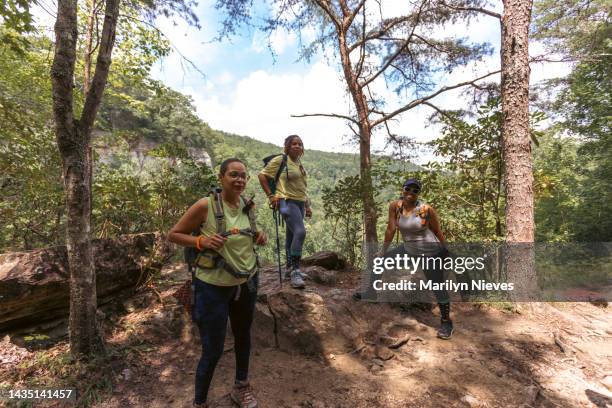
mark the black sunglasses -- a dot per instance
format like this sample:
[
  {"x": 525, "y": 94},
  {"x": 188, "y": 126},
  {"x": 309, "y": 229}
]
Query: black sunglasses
[{"x": 412, "y": 189}]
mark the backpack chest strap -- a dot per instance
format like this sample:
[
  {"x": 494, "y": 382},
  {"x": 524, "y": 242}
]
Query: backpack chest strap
[{"x": 221, "y": 225}]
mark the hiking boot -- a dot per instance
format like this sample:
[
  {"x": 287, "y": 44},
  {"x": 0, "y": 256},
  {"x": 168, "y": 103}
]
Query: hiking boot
[
  {"x": 297, "y": 281},
  {"x": 288, "y": 271},
  {"x": 202, "y": 405},
  {"x": 242, "y": 395},
  {"x": 446, "y": 330}
]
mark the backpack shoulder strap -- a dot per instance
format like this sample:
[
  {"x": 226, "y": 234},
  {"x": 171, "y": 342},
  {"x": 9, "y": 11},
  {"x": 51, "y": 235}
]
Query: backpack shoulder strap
[
  {"x": 422, "y": 209},
  {"x": 398, "y": 209},
  {"x": 217, "y": 206},
  {"x": 398, "y": 212},
  {"x": 283, "y": 166},
  {"x": 251, "y": 214}
]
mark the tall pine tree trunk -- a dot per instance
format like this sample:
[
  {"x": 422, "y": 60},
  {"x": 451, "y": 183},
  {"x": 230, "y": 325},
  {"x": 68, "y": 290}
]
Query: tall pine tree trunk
[
  {"x": 367, "y": 189},
  {"x": 73, "y": 140},
  {"x": 518, "y": 172},
  {"x": 365, "y": 135}
]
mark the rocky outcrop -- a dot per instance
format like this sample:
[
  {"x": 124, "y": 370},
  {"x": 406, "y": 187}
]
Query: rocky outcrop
[
  {"x": 34, "y": 285},
  {"x": 326, "y": 259},
  {"x": 321, "y": 275},
  {"x": 299, "y": 321}
]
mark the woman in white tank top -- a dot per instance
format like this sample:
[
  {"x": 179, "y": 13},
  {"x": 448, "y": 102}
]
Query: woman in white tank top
[{"x": 419, "y": 226}]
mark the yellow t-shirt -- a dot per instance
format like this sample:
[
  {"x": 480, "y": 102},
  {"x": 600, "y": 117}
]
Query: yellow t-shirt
[
  {"x": 237, "y": 250},
  {"x": 292, "y": 187}
]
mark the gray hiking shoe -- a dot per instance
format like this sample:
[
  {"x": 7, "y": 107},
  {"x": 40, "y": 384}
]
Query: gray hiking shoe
[
  {"x": 297, "y": 281},
  {"x": 289, "y": 270},
  {"x": 242, "y": 395}
]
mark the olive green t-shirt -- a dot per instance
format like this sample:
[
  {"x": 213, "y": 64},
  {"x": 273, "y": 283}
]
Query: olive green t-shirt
[
  {"x": 237, "y": 250},
  {"x": 292, "y": 187}
]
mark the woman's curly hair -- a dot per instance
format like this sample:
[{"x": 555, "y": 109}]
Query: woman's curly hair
[{"x": 288, "y": 141}]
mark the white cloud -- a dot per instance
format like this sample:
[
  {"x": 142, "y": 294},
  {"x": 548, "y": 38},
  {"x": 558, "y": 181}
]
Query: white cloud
[
  {"x": 225, "y": 78},
  {"x": 261, "y": 106},
  {"x": 280, "y": 40},
  {"x": 260, "y": 103}
]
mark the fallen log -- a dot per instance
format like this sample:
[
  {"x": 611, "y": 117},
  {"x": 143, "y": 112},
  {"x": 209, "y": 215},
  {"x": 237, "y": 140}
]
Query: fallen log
[{"x": 35, "y": 285}]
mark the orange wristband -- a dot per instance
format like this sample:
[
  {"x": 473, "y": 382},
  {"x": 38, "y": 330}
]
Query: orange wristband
[{"x": 198, "y": 246}]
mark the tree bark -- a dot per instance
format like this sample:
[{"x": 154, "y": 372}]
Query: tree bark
[
  {"x": 365, "y": 134},
  {"x": 518, "y": 173},
  {"x": 88, "y": 46},
  {"x": 73, "y": 140}
]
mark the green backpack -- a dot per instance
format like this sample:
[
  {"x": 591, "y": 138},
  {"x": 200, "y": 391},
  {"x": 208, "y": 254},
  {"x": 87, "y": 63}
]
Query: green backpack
[{"x": 283, "y": 166}]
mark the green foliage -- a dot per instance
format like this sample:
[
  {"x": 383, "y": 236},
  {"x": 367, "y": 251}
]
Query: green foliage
[
  {"x": 343, "y": 206},
  {"x": 574, "y": 28},
  {"x": 472, "y": 158},
  {"x": 556, "y": 188},
  {"x": 581, "y": 31},
  {"x": 31, "y": 202},
  {"x": 16, "y": 20},
  {"x": 586, "y": 104},
  {"x": 130, "y": 197}
]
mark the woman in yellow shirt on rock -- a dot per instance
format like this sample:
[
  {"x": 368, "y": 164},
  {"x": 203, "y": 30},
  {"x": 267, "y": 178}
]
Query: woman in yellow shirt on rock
[{"x": 291, "y": 200}]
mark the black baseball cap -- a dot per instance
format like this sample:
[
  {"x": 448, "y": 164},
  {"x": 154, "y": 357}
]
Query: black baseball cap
[{"x": 411, "y": 182}]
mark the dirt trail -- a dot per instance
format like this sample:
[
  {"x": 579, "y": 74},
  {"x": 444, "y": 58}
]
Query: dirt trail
[
  {"x": 335, "y": 352},
  {"x": 553, "y": 356}
]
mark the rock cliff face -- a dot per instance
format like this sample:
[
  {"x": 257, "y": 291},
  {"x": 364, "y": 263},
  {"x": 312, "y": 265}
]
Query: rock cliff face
[
  {"x": 34, "y": 286},
  {"x": 139, "y": 152}
]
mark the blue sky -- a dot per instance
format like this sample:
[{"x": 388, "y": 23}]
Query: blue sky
[{"x": 248, "y": 92}]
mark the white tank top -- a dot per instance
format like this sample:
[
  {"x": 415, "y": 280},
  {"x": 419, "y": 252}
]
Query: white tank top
[{"x": 418, "y": 238}]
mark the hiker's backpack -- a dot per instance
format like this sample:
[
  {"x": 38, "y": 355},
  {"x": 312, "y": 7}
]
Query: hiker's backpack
[
  {"x": 186, "y": 293},
  {"x": 215, "y": 204},
  {"x": 421, "y": 210},
  {"x": 283, "y": 166}
]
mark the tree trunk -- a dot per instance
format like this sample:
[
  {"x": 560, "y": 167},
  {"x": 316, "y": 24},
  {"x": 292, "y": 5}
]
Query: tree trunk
[
  {"x": 365, "y": 163},
  {"x": 498, "y": 192},
  {"x": 88, "y": 46},
  {"x": 367, "y": 189},
  {"x": 516, "y": 142},
  {"x": 518, "y": 172},
  {"x": 73, "y": 140}
]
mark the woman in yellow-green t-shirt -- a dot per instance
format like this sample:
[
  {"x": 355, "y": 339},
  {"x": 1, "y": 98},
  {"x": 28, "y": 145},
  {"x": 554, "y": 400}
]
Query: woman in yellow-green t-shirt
[
  {"x": 291, "y": 200},
  {"x": 220, "y": 294}
]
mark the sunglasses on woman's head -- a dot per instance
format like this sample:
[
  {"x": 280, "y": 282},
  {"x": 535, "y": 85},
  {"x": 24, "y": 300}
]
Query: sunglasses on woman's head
[{"x": 412, "y": 189}]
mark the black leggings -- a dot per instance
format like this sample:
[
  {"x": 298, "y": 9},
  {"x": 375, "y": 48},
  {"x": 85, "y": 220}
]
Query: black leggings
[
  {"x": 433, "y": 273},
  {"x": 213, "y": 305}
]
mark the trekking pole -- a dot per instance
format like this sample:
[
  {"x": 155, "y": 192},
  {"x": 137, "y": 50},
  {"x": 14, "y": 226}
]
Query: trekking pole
[{"x": 276, "y": 216}]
